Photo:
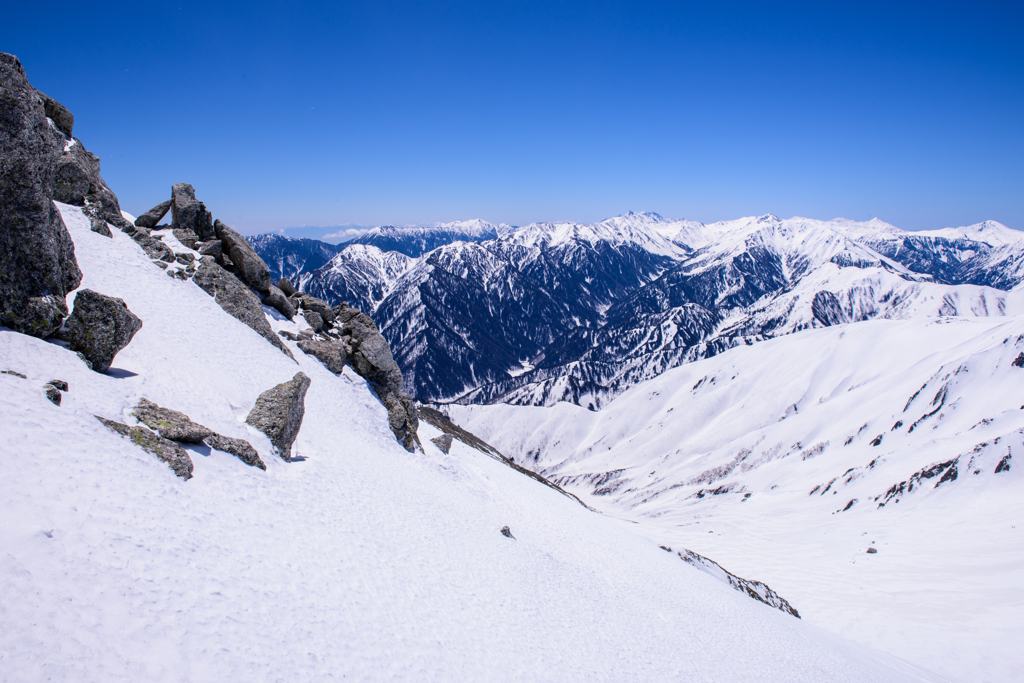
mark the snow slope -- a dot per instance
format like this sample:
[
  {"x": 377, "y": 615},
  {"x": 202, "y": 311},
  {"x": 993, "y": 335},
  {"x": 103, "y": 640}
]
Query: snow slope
[
  {"x": 786, "y": 460},
  {"x": 356, "y": 561}
]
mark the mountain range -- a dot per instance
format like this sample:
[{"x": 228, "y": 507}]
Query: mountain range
[{"x": 545, "y": 313}]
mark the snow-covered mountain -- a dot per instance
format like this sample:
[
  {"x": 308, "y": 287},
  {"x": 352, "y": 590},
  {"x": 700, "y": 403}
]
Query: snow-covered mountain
[
  {"x": 416, "y": 241},
  {"x": 569, "y": 312},
  {"x": 871, "y": 468},
  {"x": 290, "y": 258}
]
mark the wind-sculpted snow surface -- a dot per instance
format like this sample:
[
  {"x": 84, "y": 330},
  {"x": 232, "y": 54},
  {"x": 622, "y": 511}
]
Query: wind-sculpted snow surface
[
  {"x": 867, "y": 472},
  {"x": 357, "y": 560}
]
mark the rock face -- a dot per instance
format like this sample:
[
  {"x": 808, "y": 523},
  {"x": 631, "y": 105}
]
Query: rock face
[
  {"x": 170, "y": 423},
  {"x": 38, "y": 257},
  {"x": 240, "y": 448},
  {"x": 168, "y": 451},
  {"x": 99, "y": 327},
  {"x": 277, "y": 299},
  {"x": 333, "y": 354},
  {"x": 444, "y": 442},
  {"x": 372, "y": 360},
  {"x": 251, "y": 268},
  {"x": 278, "y": 413},
  {"x": 234, "y": 297},
  {"x": 58, "y": 113},
  {"x": 188, "y": 212},
  {"x": 151, "y": 218},
  {"x": 78, "y": 182}
]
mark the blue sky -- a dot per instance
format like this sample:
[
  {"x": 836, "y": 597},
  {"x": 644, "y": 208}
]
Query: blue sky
[{"x": 368, "y": 113}]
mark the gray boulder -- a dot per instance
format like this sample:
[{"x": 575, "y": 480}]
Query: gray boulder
[
  {"x": 38, "y": 256},
  {"x": 314, "y": 320},
  {"x": 212, "y": 248},
  {"x": 151, "y": 218},
  {"x": 278, "y": 413},
  {"x": 186, "y": 237},
  {"x": 99, "y": 327},
  {"x": 285, "y": 285},
  {"x": 276, "y": 298},
  {"x": 60, "y": 384},
  {"x": 318, "y": 306},
  {"x": 188, "y": 212},
  {"x": 168, "y": 451},
  {"x": 334, "y": 354},
  {"x": 170, "y": 423},
  {"x": 59, "y": 114},
  {"x": 52, "y": 393},
  {"x": 240, "y": 448},
  {"x": 236, "y": 299},
  {"x": 154, "y": 247},
  {"x": 444, "y": 442},
  {"x": 251, "y": 268}
]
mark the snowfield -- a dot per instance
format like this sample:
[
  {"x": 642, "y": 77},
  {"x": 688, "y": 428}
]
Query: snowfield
[
  {"x": 357, "y": 561},
  {"x": 785, "y": 461}
]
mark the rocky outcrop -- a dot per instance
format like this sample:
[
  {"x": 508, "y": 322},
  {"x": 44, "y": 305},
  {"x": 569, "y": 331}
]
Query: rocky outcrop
[
  {"x": 37, "y": 258},
  {"x": 236, "y": 299},
  {"x": 276, "y": 299},
  {"x": 63, "y": 119},
  {"x": 99, "y": 327},
  {"x": 333, "y": 354},
  {"x": 278, "y": 413},
  {"x": 170, "y": 423},
  {"x": 188, "y": 212},
  {"x": 251, "y": 268},
  {"x": 78, "y": 181},
  {"x": 240, "y": 448},
  {"x": 372, "y": 360},
  {"x": 152, "y": 218},
  {"x": 444, "y": 442},
  {"x": 167, "y": 451}
]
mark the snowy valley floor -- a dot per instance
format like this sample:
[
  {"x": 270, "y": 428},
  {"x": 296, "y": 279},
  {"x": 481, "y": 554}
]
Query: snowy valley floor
[
  {"x": 787, "y": 460},
  {"x": 357, "y": 561}
]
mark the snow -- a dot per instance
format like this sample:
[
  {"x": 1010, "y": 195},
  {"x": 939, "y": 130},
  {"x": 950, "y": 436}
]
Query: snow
[
  {"x": 750, "y": 458},
  {"x": 358, "y": 560}
]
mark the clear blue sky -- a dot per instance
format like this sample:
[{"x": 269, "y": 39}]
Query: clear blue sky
[{"x": 301, "y": 113}]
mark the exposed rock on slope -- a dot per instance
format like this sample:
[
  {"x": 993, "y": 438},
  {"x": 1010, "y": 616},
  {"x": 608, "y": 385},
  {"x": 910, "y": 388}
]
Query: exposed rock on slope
[
  {"x": 38, "y": 257},
  {"x": 99, "y": 327},
  {"x": 175, "y": 456},
  {"x": 233, "y": 296},
  {"x": 278, "y": 413}
]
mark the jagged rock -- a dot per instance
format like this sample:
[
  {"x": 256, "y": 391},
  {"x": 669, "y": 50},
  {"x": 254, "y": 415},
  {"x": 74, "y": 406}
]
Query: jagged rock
[
  {"x": 96, "y": 222},
  {"x": 154, "y": 248},
  {"x": 334, "y": 355},
  {"x": 60, "y": 384},
  {"x": 38, "y": 256},
  {"x": 151, "y": 218},
  {"x": 78, "y": 181},
  {"x": 444, "y": 442},
  {"x": 59, "y": 114},
  {"x": 239, "y": 448},
  {"x": 314, "y": 320},
  {"x": 160, "y": 264},
  {"x": 169, "y": 423},
  {"x": 212, "y": 248},
  {"x": 179, "y": 273},
  {"x": 236, "y": 299},
  {"x": 251, "y": 268},
  {"x": 285, "y": 285},
  {"x": 187, "y": 212},
  {"x": 168, "y": 451},
  {"x": 186, "y": 237},
  {"x": 276, "y": 298},
  {"x": 52, "y": 393},
  {"x": 184, "y": 258},
  {"x": 227, "y": 264},
  {"x": 372, "y": 360},
  {"x": 99, "y": 327},
  {"x": 318, "y": 306},
  {"x": 278, "y": 413}
]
